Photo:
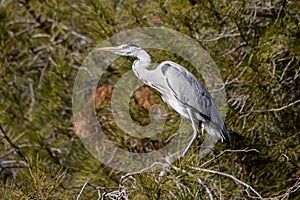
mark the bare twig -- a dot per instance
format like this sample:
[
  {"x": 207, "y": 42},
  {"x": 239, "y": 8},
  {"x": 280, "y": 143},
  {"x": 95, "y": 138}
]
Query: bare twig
[
  {"x": 123, "y": 178},
  {"x": 277, "y": 109},
  {"x": 93, "y": 186},
  {"x": 286, "y": 67},
  {"x": 11, "y": 164},
  {"x": 286, "y": 195},
  {"x": 229, "y": 151},
  {"x": 20, "y": 146},
  {"x": 232, "y": 177},
  {"x": 220, "y": 37},
  {"x": 32, "y": 103},
  {"x": 17, "y": 149},
  {"x": 208, "y": 191},
  {"x": 104, "y": 193}
]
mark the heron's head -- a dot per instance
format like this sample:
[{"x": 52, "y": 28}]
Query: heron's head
[{"x": 123, "y": 50}]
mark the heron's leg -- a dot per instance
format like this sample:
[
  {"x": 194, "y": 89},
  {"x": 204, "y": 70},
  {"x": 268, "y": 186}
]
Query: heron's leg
[
  {"x": 201, "y": 124},
  {"x": 195, "y": 132},
  {"x": 202, "y": 128}
]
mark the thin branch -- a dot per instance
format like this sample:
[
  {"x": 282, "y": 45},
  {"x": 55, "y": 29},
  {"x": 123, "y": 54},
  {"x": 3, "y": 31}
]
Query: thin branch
[
  {"x": 229, "y": 176},
  {"x": 284, "y": 71},
  {"x": 220, "y": 37},
  {"x": 277, "y": 109},
  {"x": 32, "y": 103},
  {"x": 11, "y": 164},
  {"x": 208, "y": 191},
  {"x": 286, "y": 195},
  {"x": 164, "y": 165},
  {"x": 13, "y": 145},
  {"x": 229, "y": 151},
  {"x": 91, "y": 185},
  {"x": 20, "y": 146}
]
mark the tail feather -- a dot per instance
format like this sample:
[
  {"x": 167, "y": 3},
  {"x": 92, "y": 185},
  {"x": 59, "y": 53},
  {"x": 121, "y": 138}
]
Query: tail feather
[
  {"x": 225, "y": 135},
  {"x": 216, "y": 132}
]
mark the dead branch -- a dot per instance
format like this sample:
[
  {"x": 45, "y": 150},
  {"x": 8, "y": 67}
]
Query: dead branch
[{"x": 248, "y": 187}]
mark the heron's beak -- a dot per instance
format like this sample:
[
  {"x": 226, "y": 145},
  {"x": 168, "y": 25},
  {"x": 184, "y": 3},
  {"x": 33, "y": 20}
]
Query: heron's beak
[{"x": 109, "y": 49}]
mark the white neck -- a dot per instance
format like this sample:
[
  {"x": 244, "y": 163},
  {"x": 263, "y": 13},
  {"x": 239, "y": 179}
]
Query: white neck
[
  {"x": 144, "y": 58},
  {"x": 140, "y": 66}
]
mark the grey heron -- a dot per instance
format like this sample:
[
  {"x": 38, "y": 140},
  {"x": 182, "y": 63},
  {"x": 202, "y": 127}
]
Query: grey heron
[{"x": 180, "y": 89}]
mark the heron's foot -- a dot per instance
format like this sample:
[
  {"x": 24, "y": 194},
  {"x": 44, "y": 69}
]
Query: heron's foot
[{"x": 166, "y": 166}]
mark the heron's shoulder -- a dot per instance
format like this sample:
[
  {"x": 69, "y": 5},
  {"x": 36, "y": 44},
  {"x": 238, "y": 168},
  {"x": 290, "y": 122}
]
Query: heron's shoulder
[{"x": 169, "y": 65}]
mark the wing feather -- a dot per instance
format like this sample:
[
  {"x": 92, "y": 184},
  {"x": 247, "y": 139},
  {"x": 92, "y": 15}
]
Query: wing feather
[
  {"x": 187, "y": 89},
  {"x": 179, "y": 83}
]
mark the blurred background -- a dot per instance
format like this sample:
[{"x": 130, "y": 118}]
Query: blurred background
[{"x": 255, "y": 44}]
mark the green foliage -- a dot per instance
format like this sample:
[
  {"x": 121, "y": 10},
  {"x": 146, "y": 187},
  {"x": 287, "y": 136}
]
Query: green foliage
[
  {"x": 256, "y": 45},
  {"x": 39, "y": 181}
]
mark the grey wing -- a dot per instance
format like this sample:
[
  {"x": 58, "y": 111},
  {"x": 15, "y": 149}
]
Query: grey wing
[
  {"x": 190, "y": 92},
  {"x": 186, "y": 88}
]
